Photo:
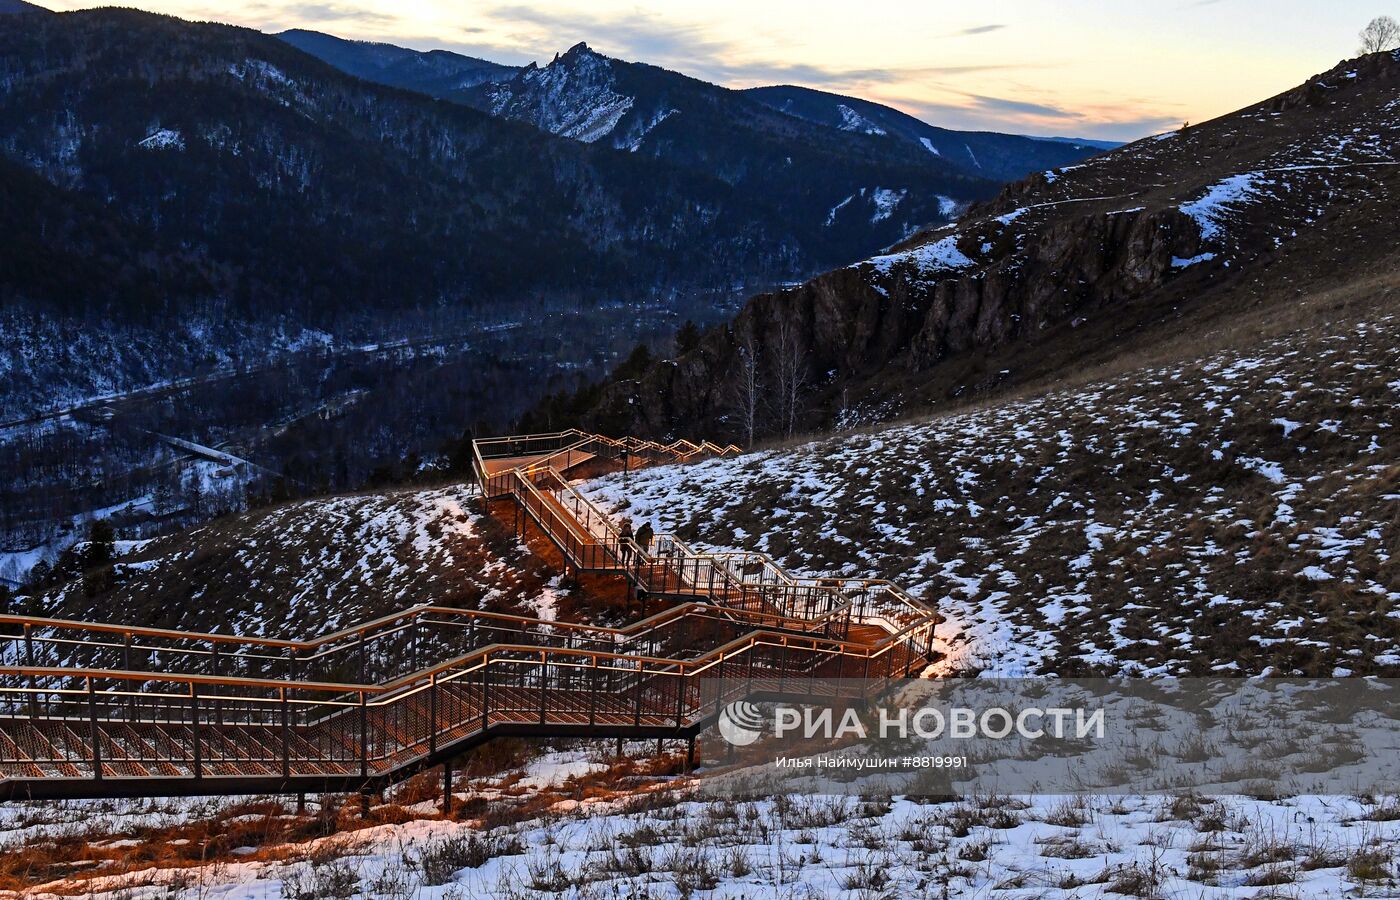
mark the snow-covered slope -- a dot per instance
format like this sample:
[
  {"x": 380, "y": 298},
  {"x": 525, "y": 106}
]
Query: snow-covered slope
[
  {"x": 1237, "y": 514},
  {"x": 306, "y": 568}
]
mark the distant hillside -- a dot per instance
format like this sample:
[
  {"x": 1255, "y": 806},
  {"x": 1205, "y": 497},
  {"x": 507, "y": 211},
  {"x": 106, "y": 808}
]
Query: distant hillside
[
  {"x": 19, "y": 6},
  {"x": 1263, "y": 217},
  {"x": 846, "y": 184},
  {"x": 1005, "y": 157},
  {"x": 186, "y": 171},
  {"x": 310, "y": 192},
  {"x": 433, "y": 72}
]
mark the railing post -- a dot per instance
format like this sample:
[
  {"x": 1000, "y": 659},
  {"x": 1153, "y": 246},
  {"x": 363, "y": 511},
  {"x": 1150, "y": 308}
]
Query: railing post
[
  {"x": 544, "y": 683},
  {"x": 218, "y": 704},
  {"x": 433, "y": 714},
  {"x": 33, "y": 681},
  {"x": 417, "y": 639},
  {"x": 364, "y": 731},
  {"x": 680, "y": 694},
  {"x": 593, "y": 691},
  {"x": 96, "y": 733},
  {"x": 286, "y": 736},
  {"x": 195, "y": 731},
  {"x": 637, "y": 694},
  {"x": 126, "y": 664},
  {"x": 485, "y": 690}
]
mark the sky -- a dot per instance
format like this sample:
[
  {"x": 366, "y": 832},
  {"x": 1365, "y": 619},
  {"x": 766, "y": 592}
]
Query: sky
[{"x": 1081, "y": 68}]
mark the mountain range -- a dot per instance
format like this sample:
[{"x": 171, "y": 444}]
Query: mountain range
[
  {"x": 436, "y": 73},
  {"x": 366, "y": 197},
  {"x": 1260, "y": 219}
]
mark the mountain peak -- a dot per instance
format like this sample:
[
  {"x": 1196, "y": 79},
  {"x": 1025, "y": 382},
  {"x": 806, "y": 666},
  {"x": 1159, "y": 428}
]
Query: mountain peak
[{"x": 580, "y": 49}]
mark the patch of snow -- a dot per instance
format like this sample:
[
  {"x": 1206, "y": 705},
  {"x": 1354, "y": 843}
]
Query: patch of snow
[
  {"x": 1209, "y": 209},
  {"x": 885, "y": 202},
  {"x": 854, "y": 121},
  {"x": 163, "y": 139},
  {"x": 941, "y": 255}
]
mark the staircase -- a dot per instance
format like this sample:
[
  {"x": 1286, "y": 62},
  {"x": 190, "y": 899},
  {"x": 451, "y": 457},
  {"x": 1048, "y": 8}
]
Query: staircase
[{"x": 105, "y": 710}]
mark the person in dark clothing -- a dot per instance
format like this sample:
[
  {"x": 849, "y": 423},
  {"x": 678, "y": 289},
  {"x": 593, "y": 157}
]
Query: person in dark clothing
[
  {"x": 625, "y": 541},
  {"x": 644, "y": 536}
]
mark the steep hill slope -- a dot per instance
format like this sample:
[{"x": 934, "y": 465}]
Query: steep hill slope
[
  {"x": 841, "y": 182},
  {"x": 1235, "y": 514},
  {"x": 1004, "y": 157},
  {"x": 1272, "y": 213},
  {"x": 433, "y": 72},
  {"x": 315, "y": 566}
]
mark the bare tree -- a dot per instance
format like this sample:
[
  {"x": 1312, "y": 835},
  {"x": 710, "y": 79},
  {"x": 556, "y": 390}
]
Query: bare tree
[
  {"x": 748, "y": 389},
  {"x": 789, "y": 375},
  {"x": 1383, "y": 33}
]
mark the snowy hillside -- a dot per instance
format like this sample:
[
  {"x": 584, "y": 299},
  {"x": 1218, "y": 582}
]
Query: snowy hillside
[
  {"x": 1232, "y": 515},
  {"x": 312, "y": 567}
]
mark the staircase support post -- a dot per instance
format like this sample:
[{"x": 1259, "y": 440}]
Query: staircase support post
[
  {"x": 447, "y": 788},
  {"x": 690, "y": 755}
]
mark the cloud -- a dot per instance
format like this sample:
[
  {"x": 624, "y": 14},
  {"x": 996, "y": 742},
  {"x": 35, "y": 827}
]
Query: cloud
[
  {"x": 690, "y": 48},
  {"x": 336, "y": 12},
  {"x": 297, "y": 13},
  {"x": 1025, "y": 107},
  {"x": 981, "y": 29},
  {"x": 975, "y": 112}
]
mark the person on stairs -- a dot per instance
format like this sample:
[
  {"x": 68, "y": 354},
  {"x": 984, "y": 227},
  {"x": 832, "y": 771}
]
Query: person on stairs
[
  {"x": 644, "y": 536},
  {"x": 624, "y": 539}
]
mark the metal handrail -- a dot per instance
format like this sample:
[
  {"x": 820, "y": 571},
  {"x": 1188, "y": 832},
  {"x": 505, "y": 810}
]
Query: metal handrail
[{"x": 95, "y": 726}]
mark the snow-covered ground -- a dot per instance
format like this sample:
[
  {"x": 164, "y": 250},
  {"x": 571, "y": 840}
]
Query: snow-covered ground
[
  {"x": 311, "y": 567},
  {"x": 1233, "y": 515},
  {"x": 664, "y": 844}
]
